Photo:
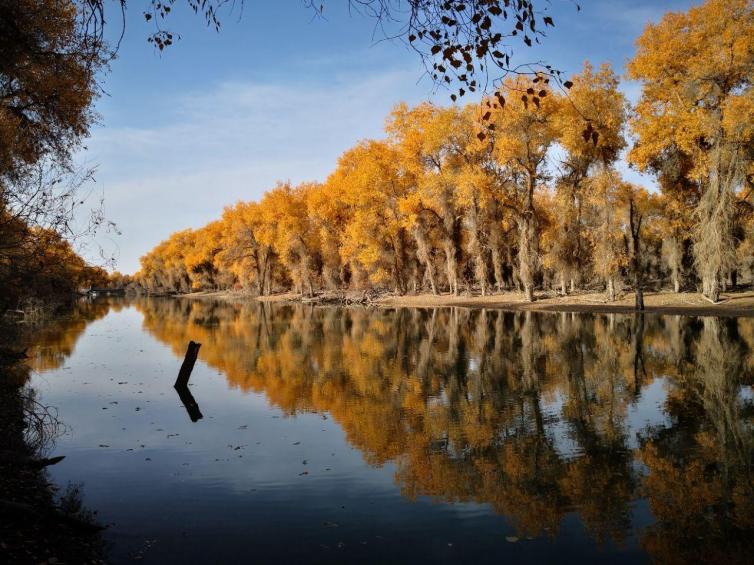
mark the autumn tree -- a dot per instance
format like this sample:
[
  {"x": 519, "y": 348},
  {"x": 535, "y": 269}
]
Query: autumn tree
[
  {"x": 369, "y": 181},
  {"x": 291, "y": 233},
  {"x": 696, "y": 110},
  {"x": 606, "y": 228},
  {"x": 524, "y": 131},
  {"x": 243, "y": 253},
  {"x": 330, "y": 211},
  {"x": 48, "y": 71},
  {"x": 479, "y": 187},
  {"x": 641, "y": 209},
  {"x": 201, "y": 258},
  {"x": 431, "y": 141},
  {"x": 594, "y": 100},
  {"x": 675, "y": 233}
]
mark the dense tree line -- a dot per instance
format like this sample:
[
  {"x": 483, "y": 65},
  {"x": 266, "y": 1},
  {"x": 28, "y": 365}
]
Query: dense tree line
[{"x": 515, "y": 192}]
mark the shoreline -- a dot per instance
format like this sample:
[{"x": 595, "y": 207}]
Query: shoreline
[{"x": 735, "y": 303}]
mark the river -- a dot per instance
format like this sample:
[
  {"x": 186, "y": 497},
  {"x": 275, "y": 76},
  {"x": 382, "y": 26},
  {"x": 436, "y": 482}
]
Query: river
[{"x": 324, "y": 434}]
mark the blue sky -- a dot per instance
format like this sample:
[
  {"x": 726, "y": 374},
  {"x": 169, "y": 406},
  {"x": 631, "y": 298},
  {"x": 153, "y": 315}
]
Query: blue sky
[{"x": 277, "y": 95}]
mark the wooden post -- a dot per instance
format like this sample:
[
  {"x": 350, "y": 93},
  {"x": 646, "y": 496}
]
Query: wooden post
[{"x": 188, "y": 364}]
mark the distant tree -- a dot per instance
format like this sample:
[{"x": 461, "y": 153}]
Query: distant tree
[
  {"x": 292, "y": 233},
  {"x": 243, "y": 253}
]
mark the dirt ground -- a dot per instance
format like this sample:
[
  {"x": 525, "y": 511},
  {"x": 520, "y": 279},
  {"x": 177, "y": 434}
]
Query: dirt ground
[
  {"x": 731, "y": 304},
  {"x": 738, "y": 303}
]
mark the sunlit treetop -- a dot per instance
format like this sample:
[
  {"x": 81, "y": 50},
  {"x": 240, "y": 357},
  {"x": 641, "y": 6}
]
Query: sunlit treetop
[
  {"x": 696, "y": 70},
  {"x": 596, "y": 100},
  {"x": 524, "y": 131}
]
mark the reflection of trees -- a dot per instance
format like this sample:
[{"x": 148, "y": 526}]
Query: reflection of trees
[
  {"x": 52, "y": 342},
  {"x": 700, "y": 482},
  {"x": 32, "y": 521},
  {"x": 526, "y": 412}
]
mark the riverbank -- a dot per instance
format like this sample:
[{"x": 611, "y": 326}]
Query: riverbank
[{"x": 738, "y": 303}]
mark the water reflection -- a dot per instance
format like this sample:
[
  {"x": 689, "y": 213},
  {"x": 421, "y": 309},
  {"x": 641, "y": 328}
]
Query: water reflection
[
  {"x": 540, "y": 416},
  {"x": 53, "y": 341}
]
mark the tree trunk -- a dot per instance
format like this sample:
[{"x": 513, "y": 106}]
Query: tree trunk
[
  {"x": 639, "y": 295},
  {"x": 711, "y": 288},
  {"x": 424, "y": 256},
  {"x": 529, "y": 292},
  {"x": 497, "y": 260},
  {"x": 526, "y": 254},
  {"x": 429, "y": 274},
  {"x": 400, "y": 261},
  {"x": 611, "y": 289},
  {"x": 714, "y": 246},
  {"x": 451, "y": 266},
  {"x": 634, "y": 221},
  {"x": 475, "y": 251}
]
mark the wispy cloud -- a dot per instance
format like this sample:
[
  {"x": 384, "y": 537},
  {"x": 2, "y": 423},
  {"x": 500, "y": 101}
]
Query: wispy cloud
[{"x": 233, "y": 141}]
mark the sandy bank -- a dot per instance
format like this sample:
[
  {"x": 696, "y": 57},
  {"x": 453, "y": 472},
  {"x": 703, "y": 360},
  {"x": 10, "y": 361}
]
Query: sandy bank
[
  {"x": 731, "y": 304},
  {"x": 740, "y": 303}
]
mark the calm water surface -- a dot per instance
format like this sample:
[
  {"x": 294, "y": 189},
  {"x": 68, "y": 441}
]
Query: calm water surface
[{"x": 356, "y": 435}]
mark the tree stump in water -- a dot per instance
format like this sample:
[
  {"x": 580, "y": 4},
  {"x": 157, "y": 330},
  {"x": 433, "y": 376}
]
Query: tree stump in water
[{"x": 188, "y": 364}]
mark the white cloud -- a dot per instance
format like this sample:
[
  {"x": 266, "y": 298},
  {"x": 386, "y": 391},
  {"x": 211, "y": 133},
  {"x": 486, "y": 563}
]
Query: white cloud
[{"x": 231, "y": 142}]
